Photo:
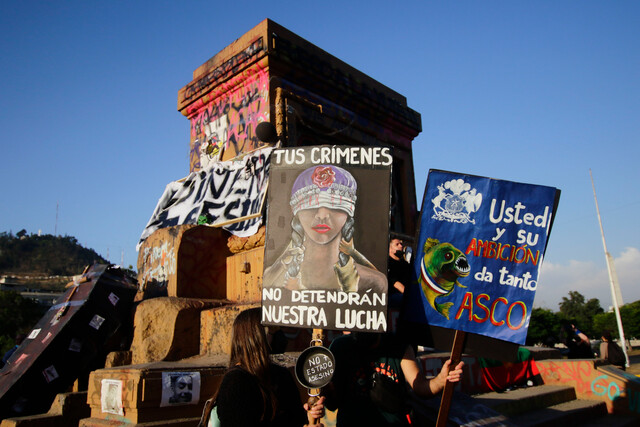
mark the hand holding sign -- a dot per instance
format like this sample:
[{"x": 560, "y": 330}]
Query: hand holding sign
[
  {"x": 480, "y": 247},
  {"x": 315, "y": 410},
  {"x": 314, "y": 370}
]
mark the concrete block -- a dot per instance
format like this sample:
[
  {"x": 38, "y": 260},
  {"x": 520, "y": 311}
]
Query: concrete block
[
  {"x": 142, "y": 391},
  {"x": 216, "y": 325},
  {"x": 167, "y": 329},
  {"x": 187, "y": 261},
  {"x": 244, "y": 276}
]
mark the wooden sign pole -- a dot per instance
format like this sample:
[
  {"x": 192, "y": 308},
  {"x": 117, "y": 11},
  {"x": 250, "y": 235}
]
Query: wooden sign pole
[
  {"x": 447, "y": 393},
  {"x": 314, "y": 393}
]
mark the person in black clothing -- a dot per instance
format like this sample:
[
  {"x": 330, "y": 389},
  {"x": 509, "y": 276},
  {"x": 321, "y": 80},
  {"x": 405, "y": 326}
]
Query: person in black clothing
[
  {"x": 372, "y": 376},
  {"x": 577, "y": 342},
  {"x": 255, "y": 391},
  {"x": 398, "y": 273}
]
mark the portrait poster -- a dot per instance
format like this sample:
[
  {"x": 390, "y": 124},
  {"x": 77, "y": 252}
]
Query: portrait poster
[
  {"x": 180, "y": 388},
  {"x": 480, "y": 247},
  {"x": 111, "y": 397},
  {"x": 327, "y": 233}
]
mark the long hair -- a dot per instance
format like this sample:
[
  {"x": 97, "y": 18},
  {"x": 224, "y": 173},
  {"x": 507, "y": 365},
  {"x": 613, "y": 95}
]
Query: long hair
[
  {"x": 250, "y": 351},
  {"x": 297, "y": 241}
]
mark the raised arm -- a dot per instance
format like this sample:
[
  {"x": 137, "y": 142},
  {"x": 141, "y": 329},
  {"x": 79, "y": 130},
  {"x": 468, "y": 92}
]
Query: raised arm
[{"x": 423, "y": 386}]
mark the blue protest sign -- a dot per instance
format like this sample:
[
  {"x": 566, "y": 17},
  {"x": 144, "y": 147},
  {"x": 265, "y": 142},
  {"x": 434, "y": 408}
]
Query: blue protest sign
[{"x": 479, "y": 252}]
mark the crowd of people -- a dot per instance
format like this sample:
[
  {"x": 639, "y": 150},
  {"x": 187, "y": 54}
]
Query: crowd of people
[
  {"x": 369, "y": 386},
  {"x": 374, "y": 372},
  {"x": 579, "y": 347}
]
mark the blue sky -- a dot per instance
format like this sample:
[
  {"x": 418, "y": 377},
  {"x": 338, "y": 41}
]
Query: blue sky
[{"x": 530, "y": 91}]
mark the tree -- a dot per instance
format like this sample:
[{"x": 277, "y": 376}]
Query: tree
[
  {"x": 581, "y": 313},
  {"x": 630, "y": 315},
  {"x": 605, "y": 322},
  {"x": 44, "y": 255},
  {"x": 544, "y": 327},
  {"x": 17, "y": 315}
]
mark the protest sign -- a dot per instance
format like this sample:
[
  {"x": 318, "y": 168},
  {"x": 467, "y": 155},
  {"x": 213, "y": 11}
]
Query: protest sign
[
  {"x": 327, "y": 237},
  {"x": 228, "y": 193},
  {"x": 315, "y": 367},
  {"x": 479, "y": 252}
]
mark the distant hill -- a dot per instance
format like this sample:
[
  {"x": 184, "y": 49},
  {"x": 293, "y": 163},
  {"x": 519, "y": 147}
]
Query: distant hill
[{"x": 44, "y": 255}]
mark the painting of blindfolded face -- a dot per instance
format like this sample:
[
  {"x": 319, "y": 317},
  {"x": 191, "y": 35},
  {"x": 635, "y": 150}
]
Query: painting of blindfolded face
[{"x": 321, "y": 253}]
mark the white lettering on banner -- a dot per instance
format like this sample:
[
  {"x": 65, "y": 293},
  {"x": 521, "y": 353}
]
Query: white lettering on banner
[
  {"x": 323, "y": 296},
  {"x": 316, "y": 317},
  {"x": 360, "y": 319},
  {"x": 273, "y": 294},
  {"x": 335, "y": 155},
  {"x": 298, "y": 315},
  {"x": 319, "y": 308},
  {"x": 512, "y": 214},
  {"x": 226, "y": 191}
]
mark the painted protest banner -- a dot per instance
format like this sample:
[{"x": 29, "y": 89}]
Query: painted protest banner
[
  {"x": 327, "y": 238},
  {"x": 224, "y": 192},
  {"x": 479, "y": 252}
]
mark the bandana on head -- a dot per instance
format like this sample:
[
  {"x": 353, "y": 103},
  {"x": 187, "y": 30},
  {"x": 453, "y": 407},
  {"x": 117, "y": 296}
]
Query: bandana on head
[{"x": 324, "y": 186}]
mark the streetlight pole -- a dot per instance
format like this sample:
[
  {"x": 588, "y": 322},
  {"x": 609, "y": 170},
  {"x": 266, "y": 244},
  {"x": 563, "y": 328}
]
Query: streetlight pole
[{"x": 613, "y": 279}]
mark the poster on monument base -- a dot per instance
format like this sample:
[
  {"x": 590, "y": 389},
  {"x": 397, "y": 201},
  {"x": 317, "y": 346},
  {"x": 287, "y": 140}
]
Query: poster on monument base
[
  {"x": 111, "y": 397},
  {"x": 180, "y": 388},
  {"x": 480, "y": 247},
  {"x": 327, "y": 238}
]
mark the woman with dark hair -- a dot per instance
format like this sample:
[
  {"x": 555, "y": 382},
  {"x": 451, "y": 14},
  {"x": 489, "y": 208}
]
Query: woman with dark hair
[
  {"x": 611, "y": 352},
  {"x": 321, "y": 253},
  {"x": 255, "y": 391}
]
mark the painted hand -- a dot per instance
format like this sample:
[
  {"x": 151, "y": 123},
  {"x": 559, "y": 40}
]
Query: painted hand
[{"x": 347, "y": 275}]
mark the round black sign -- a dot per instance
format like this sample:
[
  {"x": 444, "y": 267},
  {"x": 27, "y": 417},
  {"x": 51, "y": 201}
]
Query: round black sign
[{"x": 315, "y": 366}]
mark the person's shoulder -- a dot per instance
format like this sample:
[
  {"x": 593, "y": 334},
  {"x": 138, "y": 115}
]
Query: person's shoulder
[
  {"x": 237, "y": 382},
  {"x": 342, "y": 341},
  {"x": 398, "y": 262},
  {"x": 394, "y": 345},
  {"x": 278, "y": 370},
  {"x": 237, "y": 375}
]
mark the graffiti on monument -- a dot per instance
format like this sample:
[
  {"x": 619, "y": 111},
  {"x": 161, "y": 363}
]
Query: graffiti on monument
[
  {"x": 159, "y": 263},
  {"x": 225, "y": 127}
]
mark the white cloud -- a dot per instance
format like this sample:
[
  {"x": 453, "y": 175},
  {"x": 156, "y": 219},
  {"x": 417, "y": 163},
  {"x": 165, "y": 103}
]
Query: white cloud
[
  {"x": 628, "y": 269},
  {"x": 590, "y": 279}
]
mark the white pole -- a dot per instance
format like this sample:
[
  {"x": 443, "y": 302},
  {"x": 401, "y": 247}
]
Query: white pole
[{"x": 612, "y": 281}]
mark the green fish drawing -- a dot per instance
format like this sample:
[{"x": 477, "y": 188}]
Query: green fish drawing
[{"x": 441, "y": 267}]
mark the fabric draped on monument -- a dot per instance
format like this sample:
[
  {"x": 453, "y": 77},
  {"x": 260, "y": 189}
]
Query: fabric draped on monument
[{"x": 224, "y": 193}]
